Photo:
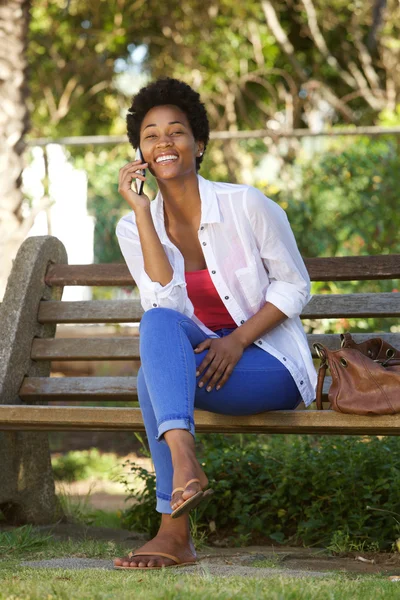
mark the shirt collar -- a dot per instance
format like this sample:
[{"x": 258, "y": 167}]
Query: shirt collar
[{"x": 210, "y": 211}]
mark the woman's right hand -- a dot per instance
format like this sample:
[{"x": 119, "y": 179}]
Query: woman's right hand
[{"x": 126, "y": 175}]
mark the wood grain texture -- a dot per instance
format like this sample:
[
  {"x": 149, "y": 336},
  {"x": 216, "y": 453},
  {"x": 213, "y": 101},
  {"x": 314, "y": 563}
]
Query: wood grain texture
[
  {"x": 79, "y": 389},
  {"x": 321, "y": 306},
  {"x": 61, "y": 418},
  {"x": 60, "y": 349},
  {"x": 84, "y": 389},
  {"x": 127, "y": 348},
  {"x": 324, "y": 306},
  {"x": 347, "y": 268}
]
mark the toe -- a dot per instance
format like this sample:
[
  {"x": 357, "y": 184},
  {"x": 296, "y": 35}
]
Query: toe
[
  {"x": 118, "y": 562},
  {"x": 142, "y": 563},
  {"x": 177, "y": 501},
  {"x": 191, "y": 491}
]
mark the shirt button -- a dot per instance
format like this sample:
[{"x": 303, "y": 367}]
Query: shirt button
[
  {"x": 242, "y": 322},
  {"x": 213, "y": 272},
  {"x": 154, "y": 304},
  {"x": 301, "y": 382},
  {"x": 204, "y": 243},
  {"x": 201, "y": 227},
  {"x": 260, "y": 342},
  {"x": 284, "y": 359},
  {"x": 226, "y": 297}
]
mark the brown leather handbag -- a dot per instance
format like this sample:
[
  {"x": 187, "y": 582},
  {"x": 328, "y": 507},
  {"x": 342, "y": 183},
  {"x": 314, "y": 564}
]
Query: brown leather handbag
[{"x": 365, "y": 377}]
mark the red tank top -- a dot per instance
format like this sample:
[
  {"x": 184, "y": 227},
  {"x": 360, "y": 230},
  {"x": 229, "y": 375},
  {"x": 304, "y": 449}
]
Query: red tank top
[{"x": 208, "y": 306}]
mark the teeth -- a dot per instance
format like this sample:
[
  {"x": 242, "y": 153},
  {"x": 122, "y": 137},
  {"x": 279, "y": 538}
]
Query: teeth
[{"x": 164, "y": 158}]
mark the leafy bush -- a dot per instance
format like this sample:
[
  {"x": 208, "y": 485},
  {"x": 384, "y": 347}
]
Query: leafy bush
[
  {"x": 82, "y": 464},
  {"x": 291, "y": 489},
  {"x": 345, "y": 200}
]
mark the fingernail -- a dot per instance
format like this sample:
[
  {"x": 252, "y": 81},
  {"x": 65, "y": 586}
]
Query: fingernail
[
  {"x": 218, "y": 387},
  {"x": 197, "y": 373},
  {"x": 201, "y": 384},
  {"x": 209, "y": 389}
]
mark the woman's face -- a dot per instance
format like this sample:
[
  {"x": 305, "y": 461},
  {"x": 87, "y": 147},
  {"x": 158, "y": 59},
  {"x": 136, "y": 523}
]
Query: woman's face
[{"x": 165, "y": 132}]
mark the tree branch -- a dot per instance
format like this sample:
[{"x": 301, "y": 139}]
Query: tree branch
[
  {"x": 282, "y": 38},
  {"x": 319, "y": 41}
]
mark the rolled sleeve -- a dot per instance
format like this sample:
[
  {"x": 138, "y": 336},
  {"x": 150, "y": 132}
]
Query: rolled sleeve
[
  {"x": 152, "y": 293},
  {"x": 287, "y": 298},
  {"x": 289, "y": 287}
]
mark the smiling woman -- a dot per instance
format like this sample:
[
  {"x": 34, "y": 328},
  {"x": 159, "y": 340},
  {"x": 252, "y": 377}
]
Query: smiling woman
[{"x": 222, "y": 285}]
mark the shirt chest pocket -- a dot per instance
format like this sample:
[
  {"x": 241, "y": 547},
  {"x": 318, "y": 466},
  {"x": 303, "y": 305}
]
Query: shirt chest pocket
[{"x": 250, "y": 284}]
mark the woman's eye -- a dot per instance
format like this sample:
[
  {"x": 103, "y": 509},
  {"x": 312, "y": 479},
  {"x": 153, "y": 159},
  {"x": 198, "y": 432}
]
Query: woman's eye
[
  {"x": 177, "y": 132},
  {"x": 149, "y": 136}
]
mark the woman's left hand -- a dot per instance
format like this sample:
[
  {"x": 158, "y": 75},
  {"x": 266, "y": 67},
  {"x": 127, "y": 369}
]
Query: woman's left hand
[{"x": 221, "y": 359}]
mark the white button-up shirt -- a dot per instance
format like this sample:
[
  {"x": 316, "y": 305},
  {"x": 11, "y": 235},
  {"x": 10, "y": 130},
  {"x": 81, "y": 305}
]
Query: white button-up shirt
[{"x": 252, "y": 257}]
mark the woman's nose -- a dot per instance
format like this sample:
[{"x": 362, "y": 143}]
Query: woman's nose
[{"x": 164, "y": 140}]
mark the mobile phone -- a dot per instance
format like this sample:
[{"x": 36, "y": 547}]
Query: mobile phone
[{"x": 140, "y": 183}]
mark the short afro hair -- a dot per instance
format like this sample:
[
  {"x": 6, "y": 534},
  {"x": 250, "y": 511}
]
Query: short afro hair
[{"x": 169, "y": 91}]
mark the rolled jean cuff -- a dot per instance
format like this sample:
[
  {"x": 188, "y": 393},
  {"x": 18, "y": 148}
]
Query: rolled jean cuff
[
  {"x": 181, "y": 423},
  {"x": 163, "y": 506}
]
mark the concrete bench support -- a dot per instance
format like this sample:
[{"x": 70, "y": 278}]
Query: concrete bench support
[{"x": 27, "y": 493}]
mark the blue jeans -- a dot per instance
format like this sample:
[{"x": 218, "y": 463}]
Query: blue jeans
[{"x": 168, "y": 390}]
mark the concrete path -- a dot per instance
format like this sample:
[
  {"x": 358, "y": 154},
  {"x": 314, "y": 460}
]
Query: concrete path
[{"x": 207, "y": 566}]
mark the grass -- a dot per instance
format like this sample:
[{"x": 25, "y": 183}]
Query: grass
[
  {"x": 26, "y": 543},
  {"x": 37, "y": 584},
  {"x": 25, "y": 583}
]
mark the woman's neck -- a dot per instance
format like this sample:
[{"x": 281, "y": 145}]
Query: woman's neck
[{"x": 182, "y": 203}]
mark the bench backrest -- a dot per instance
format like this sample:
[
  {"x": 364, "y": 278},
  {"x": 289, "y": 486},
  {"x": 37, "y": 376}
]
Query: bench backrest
[{"x": 35, "y": 384}]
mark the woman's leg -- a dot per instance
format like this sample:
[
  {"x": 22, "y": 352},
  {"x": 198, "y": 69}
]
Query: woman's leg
[
  {"x": 162, "y": 350},
  {"x": 167, "y": 393}
]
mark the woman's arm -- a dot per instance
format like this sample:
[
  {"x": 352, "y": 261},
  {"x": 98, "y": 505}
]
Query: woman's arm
[
  {"x": 148, "y": 263},
  {"x": 289, "y": 288},
  {"x": 268, "y": 317},
  {"x": 156, "y": 263}
]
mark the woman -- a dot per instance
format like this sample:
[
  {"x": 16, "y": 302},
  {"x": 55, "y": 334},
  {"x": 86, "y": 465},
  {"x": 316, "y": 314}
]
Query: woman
[{"x": 222, "y": 285}]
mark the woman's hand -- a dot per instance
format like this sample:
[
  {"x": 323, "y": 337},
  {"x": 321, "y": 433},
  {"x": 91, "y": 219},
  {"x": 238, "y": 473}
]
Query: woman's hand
[
  {"x": 221, "y": 359},
  {"x": 126, "y": 176}
]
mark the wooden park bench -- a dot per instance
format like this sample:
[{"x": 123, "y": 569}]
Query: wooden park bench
[{"x": 32, "y": 309}]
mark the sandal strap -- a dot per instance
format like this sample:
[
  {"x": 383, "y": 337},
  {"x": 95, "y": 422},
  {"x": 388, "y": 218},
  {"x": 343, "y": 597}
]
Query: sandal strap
[
  {"x": 192, "y": 481},
  {"x": 163, "y": 554},
  {"x": 180, "y": 489}
]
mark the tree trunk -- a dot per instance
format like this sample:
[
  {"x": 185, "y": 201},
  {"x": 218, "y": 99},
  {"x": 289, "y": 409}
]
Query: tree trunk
[{"x": 14, "y": 123}]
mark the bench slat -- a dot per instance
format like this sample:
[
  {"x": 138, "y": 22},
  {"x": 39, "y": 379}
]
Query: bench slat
[
  {"x": 130, "y": 311},
  {"x": 60, "y": 418},
  {"x": 79, "y": 389},
  {"x": 85, "y": 389},
  {"x": 352, "y": 305},
  {"x": 343, "y": 268},
  {"x": 127, "y": 348}
]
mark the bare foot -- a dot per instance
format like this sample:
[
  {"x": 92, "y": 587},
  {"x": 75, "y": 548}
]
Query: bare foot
[
  {"x": 185, "y": 469},
  {"x": 177, "y": 545}
]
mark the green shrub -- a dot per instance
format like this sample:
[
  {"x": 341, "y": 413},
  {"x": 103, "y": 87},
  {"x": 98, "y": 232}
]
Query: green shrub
[
  {"x": 292, "y": 489},
  {"x": 83, "y": 464}
]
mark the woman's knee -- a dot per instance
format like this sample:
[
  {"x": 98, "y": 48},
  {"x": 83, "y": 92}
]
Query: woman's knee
[{"x": 156, "y": 315}]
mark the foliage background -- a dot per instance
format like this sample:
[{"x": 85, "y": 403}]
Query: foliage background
[
  {"x": 278, "y": 64},
  {"x": 333, "y": 491}
]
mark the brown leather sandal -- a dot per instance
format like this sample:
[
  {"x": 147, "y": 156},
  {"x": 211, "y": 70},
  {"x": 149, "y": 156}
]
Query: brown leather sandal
[
  {"x": 164, "y": 554},
  {"x": 191, "y": 502}
]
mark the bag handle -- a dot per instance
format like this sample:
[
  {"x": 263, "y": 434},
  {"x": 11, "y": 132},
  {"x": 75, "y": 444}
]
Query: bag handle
[{"x": 321, "y": 353}]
